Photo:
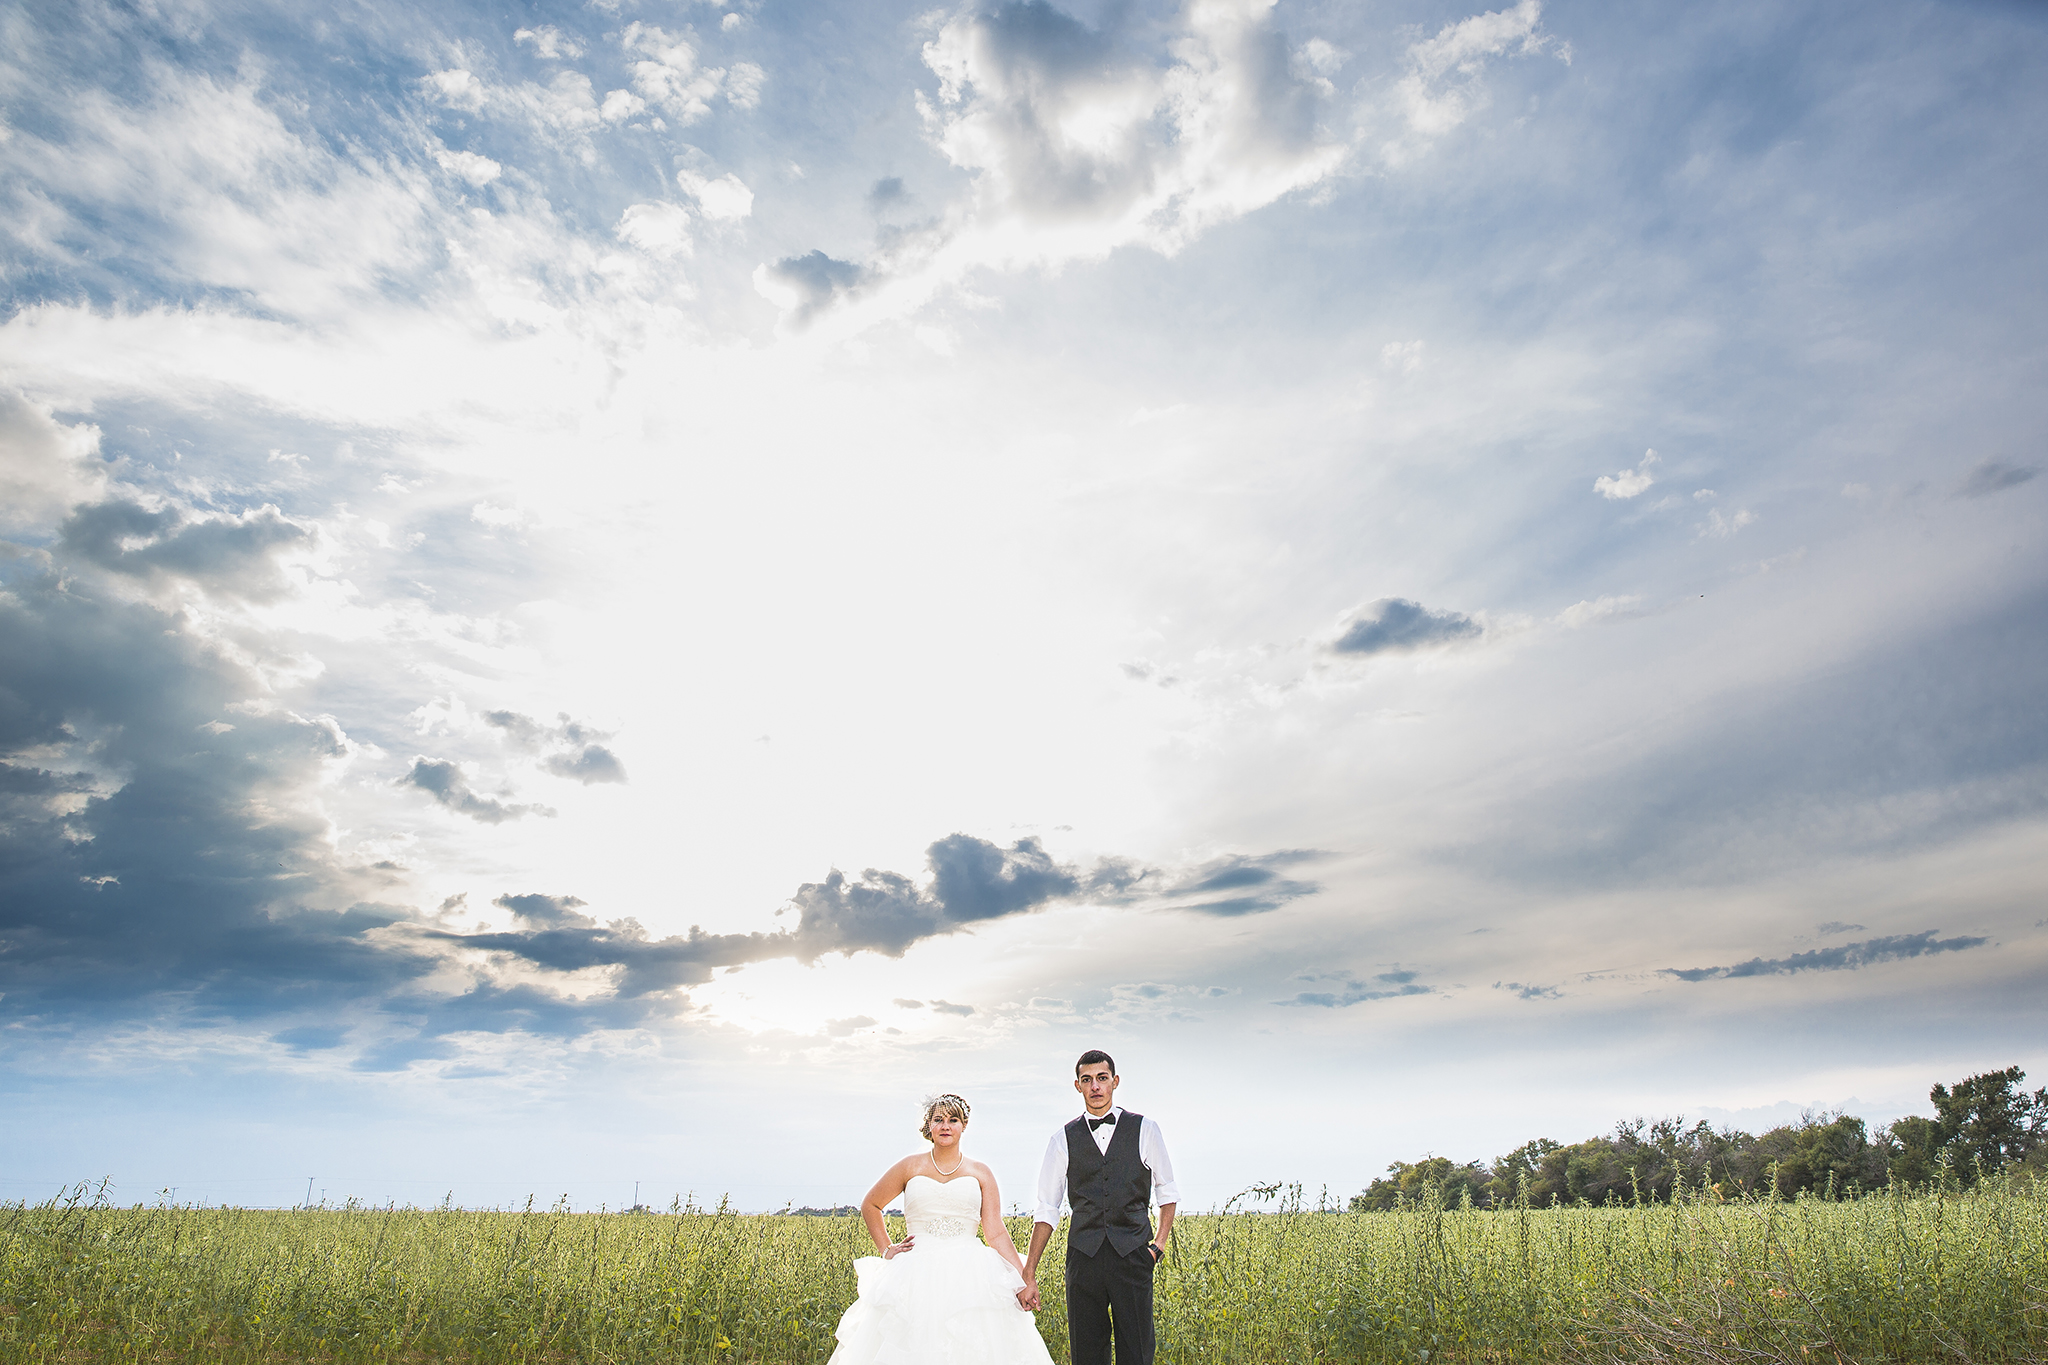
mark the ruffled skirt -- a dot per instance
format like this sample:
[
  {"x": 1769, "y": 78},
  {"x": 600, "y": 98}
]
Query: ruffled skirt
[{"x": 946, "y": 1301}]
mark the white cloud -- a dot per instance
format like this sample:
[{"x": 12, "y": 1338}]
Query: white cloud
[
  {"x": 1629, "y": 482},
  {"x": 456, "y": 88},
  {"x": 46, "y": 466},
  {"x": 568, "y": 102},
  {"x": 1077, "y": 147},
  {"x": 1581, "y": 614},
  {"x": 659, "y": 229},
  {"x": 1443, "y": 86},
  {"x": 743, "y": 82},
  {"x": 620, "y": 105},
  {"x": 222, "y": 193},
  {"x": 1721, "y": 527},
  {"x": 725, "y": 199},
  {"x": 477, "y": 170},
  {"x": 1316, "y": 60},
  {"x": 668, "y": 74},
  {"x": 490, "y": 514},
  {"x": 549, "y": 42}
]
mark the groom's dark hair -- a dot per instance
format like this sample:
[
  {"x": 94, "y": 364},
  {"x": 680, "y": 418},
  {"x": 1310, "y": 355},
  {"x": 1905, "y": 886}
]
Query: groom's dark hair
[{"x": 1091, "y": 1057}]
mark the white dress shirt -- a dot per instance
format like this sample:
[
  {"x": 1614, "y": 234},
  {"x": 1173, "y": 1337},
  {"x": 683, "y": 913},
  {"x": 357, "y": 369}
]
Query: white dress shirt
[{"x": 1052, "y": 1173}]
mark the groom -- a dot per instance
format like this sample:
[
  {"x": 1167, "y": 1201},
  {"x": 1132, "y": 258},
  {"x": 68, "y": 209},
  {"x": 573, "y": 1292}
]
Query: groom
[{"x": 1108, "y": 1165}]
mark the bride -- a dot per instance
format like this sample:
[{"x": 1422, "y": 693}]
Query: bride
[{"x": 939, "y": 1296}]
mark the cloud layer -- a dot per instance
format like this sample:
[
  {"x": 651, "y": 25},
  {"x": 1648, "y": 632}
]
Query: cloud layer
[
  {"x": 1078, "y": 141},
  {"x": 1395, "y": 625},
  {"x": 1846, "y": 957}
]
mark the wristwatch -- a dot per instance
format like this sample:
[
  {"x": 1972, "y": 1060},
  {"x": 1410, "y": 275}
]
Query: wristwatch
[{"x": 1158, "y": 1252}]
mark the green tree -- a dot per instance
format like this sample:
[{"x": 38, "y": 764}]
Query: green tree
[
  {"x": 1435, "y": 1179},
  {"x": 1828, "y": 1152},
  {"x": 1591, "y": 1170},
  {"x": 1521, "y": 1171},
  {"x": 1664, "y": 1156},
  {"x": 1912, "y": 1149},
  {"x": 1987, "y": 1122}
]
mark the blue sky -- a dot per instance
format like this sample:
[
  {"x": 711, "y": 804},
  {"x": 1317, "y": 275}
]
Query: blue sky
[{"x": 614, "y": 593}]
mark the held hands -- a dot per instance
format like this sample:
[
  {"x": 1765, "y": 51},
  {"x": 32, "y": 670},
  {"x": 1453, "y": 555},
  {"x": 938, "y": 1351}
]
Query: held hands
[
  {"x": 895, "y": 1249},
  {"x": 1027, "y": 1297}
]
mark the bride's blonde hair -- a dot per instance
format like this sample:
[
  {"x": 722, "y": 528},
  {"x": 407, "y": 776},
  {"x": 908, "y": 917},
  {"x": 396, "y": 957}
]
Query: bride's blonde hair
[{"x": 949, "y": 1104}]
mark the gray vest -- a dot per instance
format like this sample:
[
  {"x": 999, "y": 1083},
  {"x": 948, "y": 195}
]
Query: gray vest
[{"x": 1110, "y": 1192}]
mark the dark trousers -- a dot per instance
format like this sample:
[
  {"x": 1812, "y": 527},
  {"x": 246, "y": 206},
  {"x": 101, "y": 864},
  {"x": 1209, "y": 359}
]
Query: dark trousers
[{"x": 1109, "y": 1296}]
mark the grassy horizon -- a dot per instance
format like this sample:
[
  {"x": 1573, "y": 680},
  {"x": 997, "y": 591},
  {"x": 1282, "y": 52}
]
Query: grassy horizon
[{"x": 1941, "y": 1275}]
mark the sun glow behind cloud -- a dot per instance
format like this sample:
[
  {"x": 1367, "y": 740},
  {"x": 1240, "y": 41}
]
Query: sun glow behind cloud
[{"x": 1168, "y": 475}]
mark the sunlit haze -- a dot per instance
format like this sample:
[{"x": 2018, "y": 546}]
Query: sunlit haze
[{"x": 606, "y": 596}]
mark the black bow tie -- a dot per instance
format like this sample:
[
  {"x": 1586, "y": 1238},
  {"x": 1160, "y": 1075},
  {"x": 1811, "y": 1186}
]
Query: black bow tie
[{"x": 1109, "y": 1119}]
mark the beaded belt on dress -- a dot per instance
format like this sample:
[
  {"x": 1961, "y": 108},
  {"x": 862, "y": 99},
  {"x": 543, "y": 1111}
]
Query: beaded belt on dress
[{"x": 943, "y": 1227}]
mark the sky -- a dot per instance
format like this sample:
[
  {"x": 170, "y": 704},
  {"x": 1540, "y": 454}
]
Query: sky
[{"x": 597, "y": 599}]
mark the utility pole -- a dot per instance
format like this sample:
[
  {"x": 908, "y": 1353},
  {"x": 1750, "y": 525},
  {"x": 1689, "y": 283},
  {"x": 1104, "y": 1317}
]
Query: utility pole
[{"x": 309, "y": 1191}]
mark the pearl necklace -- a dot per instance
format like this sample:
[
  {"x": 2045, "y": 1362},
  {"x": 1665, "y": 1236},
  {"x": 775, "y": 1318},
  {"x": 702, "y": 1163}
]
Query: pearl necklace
[{"x": 942, "y": 1170}]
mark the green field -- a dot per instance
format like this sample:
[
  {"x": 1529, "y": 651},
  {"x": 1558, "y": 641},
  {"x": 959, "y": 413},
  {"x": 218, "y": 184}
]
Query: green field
[{"x": 1955, "y": 1277}]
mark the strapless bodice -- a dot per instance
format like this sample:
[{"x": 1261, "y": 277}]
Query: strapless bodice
[{"x": 942, "y": 1208}]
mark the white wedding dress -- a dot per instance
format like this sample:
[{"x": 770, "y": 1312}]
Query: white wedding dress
[{"x": 949, "y": 1300}]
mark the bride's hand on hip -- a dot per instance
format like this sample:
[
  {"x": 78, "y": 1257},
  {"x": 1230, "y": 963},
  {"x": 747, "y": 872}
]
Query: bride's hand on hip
[{"x": 896, "y": 1249}]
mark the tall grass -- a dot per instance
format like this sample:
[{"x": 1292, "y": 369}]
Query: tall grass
[{"x": 1942, "y": 1276}]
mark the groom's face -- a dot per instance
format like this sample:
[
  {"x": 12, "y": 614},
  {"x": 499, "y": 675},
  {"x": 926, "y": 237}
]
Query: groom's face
[{"x": 1097, "y": 1086}]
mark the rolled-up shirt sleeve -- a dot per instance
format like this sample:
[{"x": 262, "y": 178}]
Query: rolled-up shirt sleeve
[
  {"x": 1152, "y": 1151},
  {"x": 1052, "y": 1181}
]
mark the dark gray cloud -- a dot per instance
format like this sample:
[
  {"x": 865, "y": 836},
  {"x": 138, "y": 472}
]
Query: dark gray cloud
[
  {"x": 1245, "y": 885},
  {"x": 548, "y": 912},
  {"x": 975, "y": 880},
  {"x": 160, "y": 855},
  {"x": 28, "y": 792},
  {"x": 647, "y": 966},
  {"x": 592, "y": 763},
  {"x": 571, "y": 749},
  {"x": 1385, "y": 986},
  {"x": 445, "y": 782},
  {"x": 1993, "y": 476},
  {"x": 1524, "y": 991},
  {"x": 1395, "y": 625},
  {"x": 1847, "y": 957},
  {"x": 815, "y": 281},
  {"x": 887, "y": 193},
  {"x": 522, "y": 730},
  {"x": 1835, "y": 926},
  {"x": 163, "y": 863},
  {"x": 1032, "y": 59},
  {"x": 972, "y": 881},
  {"x": 227, "y": 553}
]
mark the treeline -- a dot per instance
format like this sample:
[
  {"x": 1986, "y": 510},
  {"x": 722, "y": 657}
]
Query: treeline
[{"x": 1981, "y": 1125}]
